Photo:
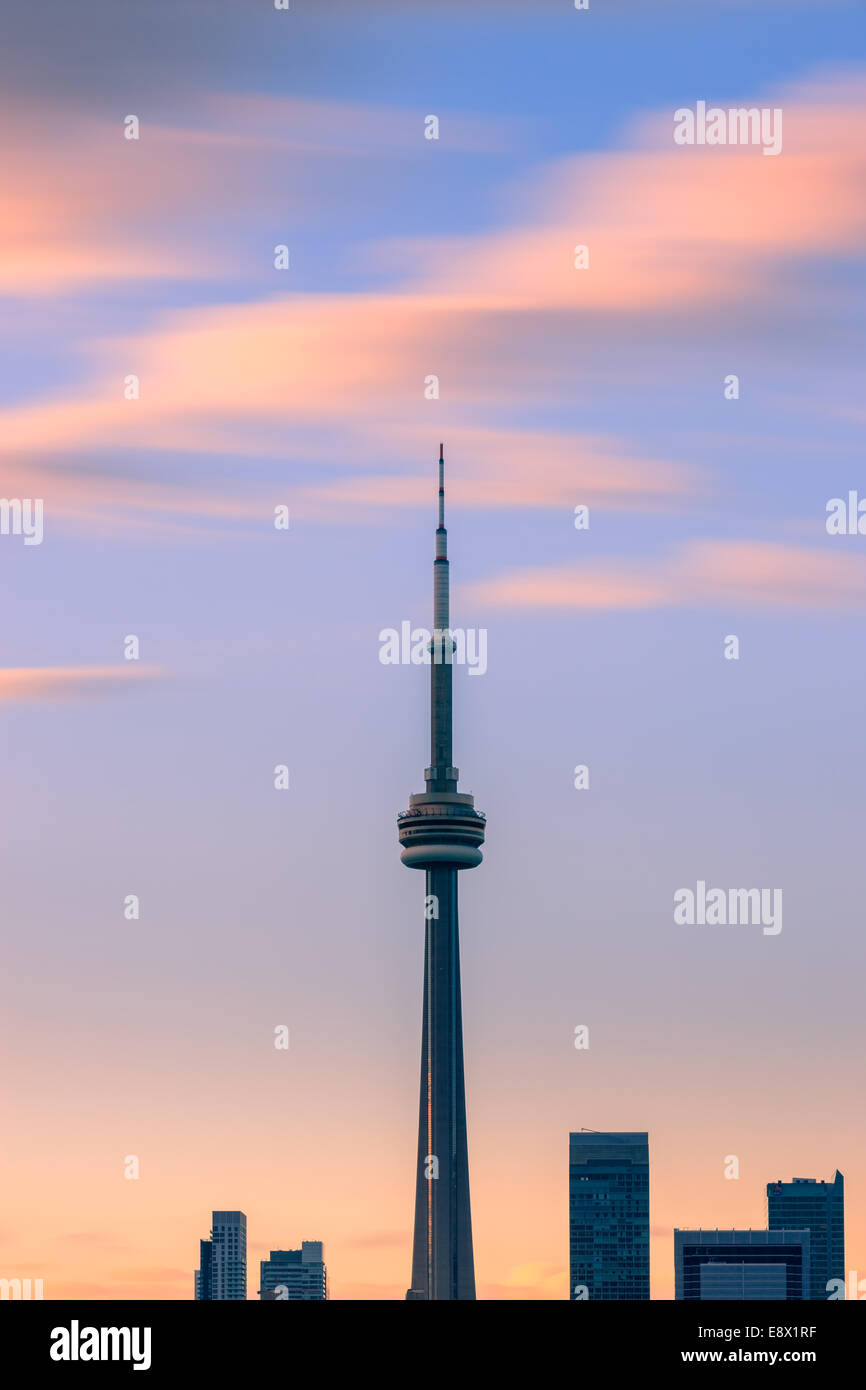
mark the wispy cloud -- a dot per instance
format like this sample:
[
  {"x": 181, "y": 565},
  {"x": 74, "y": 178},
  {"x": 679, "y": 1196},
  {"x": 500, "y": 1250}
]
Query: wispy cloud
[
  {"x": 84, "y": 205},
  {"x": 674, "y": 227},
  {"x": 339, "y": 379},
  {"x": 534, "y": 1280},
  {"x": 155, "y": 1275},
  {"x": 716, "y": 572},
  {"x": 492, "y": 468},
  {"x": 49, "y": 683}
]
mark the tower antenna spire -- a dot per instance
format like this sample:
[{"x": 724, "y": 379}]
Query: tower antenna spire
[
  {"x": 440, "y": 568},
  {"x": 442, "y": 487},
  {"x": 441, "y": 652}
]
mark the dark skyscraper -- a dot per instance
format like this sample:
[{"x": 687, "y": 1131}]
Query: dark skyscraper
[
  {"x": 442, "y": 833},
  {"x": 608, "y": 1200},
  {"x": 203, "y": 1278},
  {"x": 819, "y": 1208}
]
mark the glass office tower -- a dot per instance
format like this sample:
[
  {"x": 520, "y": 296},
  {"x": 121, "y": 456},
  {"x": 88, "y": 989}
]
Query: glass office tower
[
  {"x": 819, "y": 1208},
  {"x": 608, "y": 1197}
]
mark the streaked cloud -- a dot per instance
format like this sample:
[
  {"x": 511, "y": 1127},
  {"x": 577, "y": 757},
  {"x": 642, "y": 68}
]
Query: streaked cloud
[
  {"x": 145, "y": 1286},
  {"x": 757, "y": 574},
  {"x": 533, "y": 1280},
  {"x": 493, "y": 468},
  {"x": 332, "y": 381},
  {"x": 494, "y": 314},
  {"x": 95, "y": 1238},
  {"x": 147, "y": 1275},
  {"x": 49, "y": 683},
  {"x": 332, "y": 127},
  {"x": 675, "y": 227},
  {"x": 83, "y": 205}
]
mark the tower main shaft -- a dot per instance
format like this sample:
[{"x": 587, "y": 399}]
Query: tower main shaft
[{"x": 442, "y": 833}]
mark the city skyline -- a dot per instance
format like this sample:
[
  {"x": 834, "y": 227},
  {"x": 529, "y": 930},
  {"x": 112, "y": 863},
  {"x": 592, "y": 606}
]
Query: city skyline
[
  {"x": 798, "y": 1256},
  {"x": 213, "y": 955}
]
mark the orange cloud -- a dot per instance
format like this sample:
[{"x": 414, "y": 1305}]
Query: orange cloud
[
  {"x": 544, "y": 1280},
  {"x": 143, "y": 1288},
  {"x": 675, "y": 226},
  {"x": 753, "y": 573},
  {"x": 313, "y": 377},
  {"x": 83, "y": 204},
  {"x": 40, "y": 683},
  {"x": 79, "y": 203}
]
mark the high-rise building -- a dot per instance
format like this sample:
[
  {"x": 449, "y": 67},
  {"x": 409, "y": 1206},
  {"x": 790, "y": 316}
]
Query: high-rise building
[
  {"x": 737, "y": 1266},
  {"x": 295, "y": 1275},
  {"x": 203, "y": 1273},
  {"x": 819, "y": 1208},
  {"x": 222, "y": 1272},
  {"x": 441, "y": 833},
  {"x": 608, "y": 1200}
]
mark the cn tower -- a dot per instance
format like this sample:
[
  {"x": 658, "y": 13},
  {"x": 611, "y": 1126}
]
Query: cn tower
[{"x": 441, "y": 833}]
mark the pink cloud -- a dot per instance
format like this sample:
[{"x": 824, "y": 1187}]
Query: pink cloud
[
  {"x": 492, "y": 468},
  {"x": 313, "y": 377},
  {"x": 83, "y": 204},
  {"x": 674, "y": 226},
  {"x": 332, "y": 377},
  {"x": 40, "y": 683},
  {"x": 714, "y": 572},
  {"x": 79, "y": 204}
]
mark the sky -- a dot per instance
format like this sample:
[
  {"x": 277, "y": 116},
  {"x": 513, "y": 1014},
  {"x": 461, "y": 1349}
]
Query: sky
[{"x": 309, "y": 388}]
